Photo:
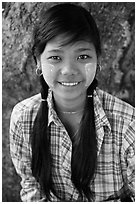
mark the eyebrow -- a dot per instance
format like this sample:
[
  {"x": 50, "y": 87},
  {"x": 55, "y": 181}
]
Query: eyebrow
[
  {"x": 77, "y": 50},
  {"x": 55, "y": 50},
  {"x": 83, "y": 49}
]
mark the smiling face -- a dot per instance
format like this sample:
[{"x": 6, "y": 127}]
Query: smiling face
[{"x": 68, "y": 69}]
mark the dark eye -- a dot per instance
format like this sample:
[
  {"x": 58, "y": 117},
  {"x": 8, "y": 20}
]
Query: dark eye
[
  {"x": 54, "y": 58},
  {"x": 83, "y": 57}
]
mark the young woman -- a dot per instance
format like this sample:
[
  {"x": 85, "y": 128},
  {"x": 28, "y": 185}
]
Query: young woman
[{"x": 72, "y": 142}]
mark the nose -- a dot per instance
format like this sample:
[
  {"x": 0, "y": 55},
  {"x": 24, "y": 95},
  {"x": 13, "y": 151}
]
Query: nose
[{"x": 69, "y": 68}]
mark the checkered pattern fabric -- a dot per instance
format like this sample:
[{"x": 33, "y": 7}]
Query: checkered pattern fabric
[{"x": 114, "y": 176}]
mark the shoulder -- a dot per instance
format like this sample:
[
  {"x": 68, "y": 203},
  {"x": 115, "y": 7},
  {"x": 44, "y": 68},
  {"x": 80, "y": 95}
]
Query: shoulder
[
  {"x": 26, "y": 108},
  {"x": 121, "y": 117},
  {"x": 115, "y": 106}
]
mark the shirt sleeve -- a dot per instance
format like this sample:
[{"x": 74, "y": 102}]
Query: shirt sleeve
[
  {"x": 130, "y": 157},
  {"x": 21, "y": 157}
]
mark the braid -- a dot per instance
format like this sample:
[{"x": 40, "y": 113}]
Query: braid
[
  {"x": 92, "y": 87},
  {"x": 44, "y": 88},
  {"x": 41, "y": 158},
  {"x": 84, "y": 155}
]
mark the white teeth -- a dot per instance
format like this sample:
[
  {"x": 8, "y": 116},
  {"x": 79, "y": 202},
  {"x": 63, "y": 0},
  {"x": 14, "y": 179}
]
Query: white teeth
[{"x": 69, "y": 83}]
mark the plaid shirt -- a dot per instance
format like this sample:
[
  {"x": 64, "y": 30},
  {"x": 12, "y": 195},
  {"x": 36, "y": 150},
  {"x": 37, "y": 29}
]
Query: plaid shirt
[{"x": 114, "y": 176}]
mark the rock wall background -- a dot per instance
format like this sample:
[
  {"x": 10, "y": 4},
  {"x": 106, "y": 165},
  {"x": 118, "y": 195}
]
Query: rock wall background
[{"x": 116, "y": 22}]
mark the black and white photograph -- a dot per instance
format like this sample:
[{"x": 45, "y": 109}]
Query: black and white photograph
[{"x": 68, "y": 101}]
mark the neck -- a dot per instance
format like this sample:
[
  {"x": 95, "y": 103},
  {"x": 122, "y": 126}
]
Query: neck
[{"x": 70, "y": 106}]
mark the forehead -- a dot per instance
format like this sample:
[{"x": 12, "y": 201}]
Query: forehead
[{"x": 61, "y": 42}]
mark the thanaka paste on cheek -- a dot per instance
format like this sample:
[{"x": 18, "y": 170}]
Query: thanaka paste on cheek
[
  {"x": 90, "y": 71},
  {"x": 48, "y": 71}
]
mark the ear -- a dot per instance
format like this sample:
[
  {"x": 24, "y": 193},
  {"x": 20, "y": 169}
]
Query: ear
[
  {"x": 38, "y": 63},
  {"x": 98, "y": 69},
  {"x": 99, "y": 60}
]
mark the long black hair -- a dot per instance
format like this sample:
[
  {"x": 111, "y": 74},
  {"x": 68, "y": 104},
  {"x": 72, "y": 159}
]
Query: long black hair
[{"x": 77, "y": 24}]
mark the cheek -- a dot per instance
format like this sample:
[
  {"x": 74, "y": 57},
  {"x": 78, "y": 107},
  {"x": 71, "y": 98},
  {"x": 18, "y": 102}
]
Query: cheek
[
  {"x": 49, "y": 74},
  {"x": 90, "y": 71}
]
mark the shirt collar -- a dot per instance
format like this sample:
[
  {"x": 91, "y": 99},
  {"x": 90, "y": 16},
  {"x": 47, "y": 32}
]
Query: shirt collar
[
  {"x": 100, "y": 115},
  {"x": 102, "y": 123},
  {"x": 101, "y": 119},
  {"x": 52, "y": 115}
]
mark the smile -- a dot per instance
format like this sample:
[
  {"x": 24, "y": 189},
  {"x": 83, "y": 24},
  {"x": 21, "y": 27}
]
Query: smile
[{"x": 69, "y": 83}]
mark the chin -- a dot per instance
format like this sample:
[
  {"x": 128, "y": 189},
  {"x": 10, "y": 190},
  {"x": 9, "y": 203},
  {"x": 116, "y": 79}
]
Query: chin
[{"x": 71, "y": 95}]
